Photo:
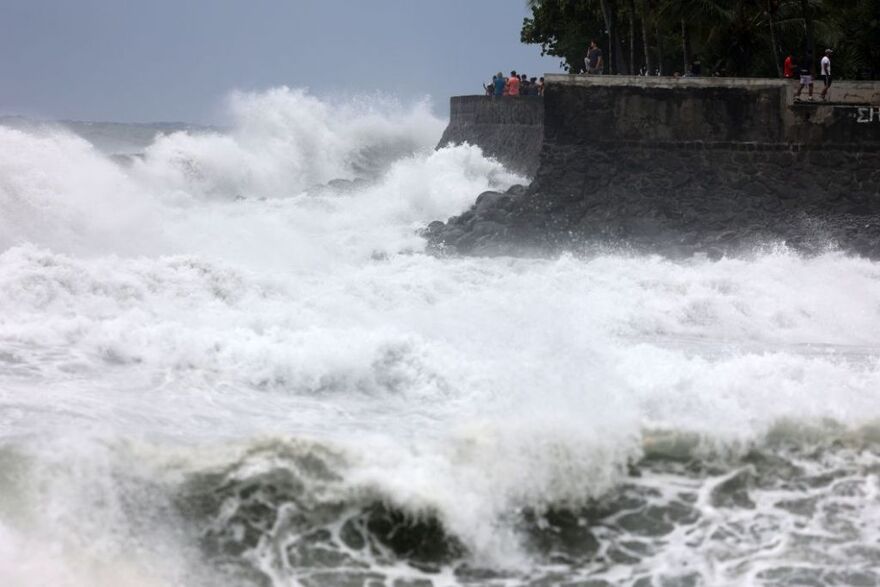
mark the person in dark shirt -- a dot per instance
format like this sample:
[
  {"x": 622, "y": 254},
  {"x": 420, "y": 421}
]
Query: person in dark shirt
[
  {"x": 524, "y": 85},
  {"x": 533, "y": 87},
  {"x": 696, "y": 67},
  {"x": 806, "y": 77},
  {"x": 594, "y": 62}
]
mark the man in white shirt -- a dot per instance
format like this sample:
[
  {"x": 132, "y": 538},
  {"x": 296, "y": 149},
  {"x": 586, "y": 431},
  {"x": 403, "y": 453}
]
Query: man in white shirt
[{"x": 826, "y": 73}]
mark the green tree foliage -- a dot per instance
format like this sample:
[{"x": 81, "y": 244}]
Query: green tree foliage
[{"x": 730, "y": 37}]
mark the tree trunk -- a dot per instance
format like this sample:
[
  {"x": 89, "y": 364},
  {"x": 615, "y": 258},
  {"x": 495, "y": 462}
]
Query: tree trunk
[
  {"x": 685, "y": 47},
  {"x": 811, "y": 35},
  {"x": 645, "y": 40},
  {"x": 772, "y": 7},
  {"x": 659, "y": 32},
  {"x": 615, "y": 48},
  {"x": 607, "y": 14},
  {"x": 632, "y": 37}
]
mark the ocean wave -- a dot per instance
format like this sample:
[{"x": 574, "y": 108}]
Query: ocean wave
[
  {"x": 230, "y": 361},
  {"x": 281, "y": 512}
]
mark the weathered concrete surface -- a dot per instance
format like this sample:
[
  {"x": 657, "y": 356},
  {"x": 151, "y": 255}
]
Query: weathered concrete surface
[
  {"x": 510, "y": 129},
  {"x": 682, "y": 166}
]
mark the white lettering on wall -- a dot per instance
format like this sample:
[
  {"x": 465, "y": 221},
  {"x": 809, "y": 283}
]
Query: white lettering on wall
[{"x": 868, "y": 114}]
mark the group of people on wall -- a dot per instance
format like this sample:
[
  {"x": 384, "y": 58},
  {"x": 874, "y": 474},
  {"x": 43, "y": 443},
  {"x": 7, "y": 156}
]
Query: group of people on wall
[
  {"x": 795, "y": 69},
  {"x": 515, "y": 85},
  {"x": 802, "y": 70}
]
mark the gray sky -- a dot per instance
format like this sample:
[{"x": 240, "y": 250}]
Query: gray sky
[{"x": 161, "y": 60}]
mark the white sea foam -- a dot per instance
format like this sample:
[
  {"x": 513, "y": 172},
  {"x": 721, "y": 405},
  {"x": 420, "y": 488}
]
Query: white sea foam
[{"x": 212, "y": 295}]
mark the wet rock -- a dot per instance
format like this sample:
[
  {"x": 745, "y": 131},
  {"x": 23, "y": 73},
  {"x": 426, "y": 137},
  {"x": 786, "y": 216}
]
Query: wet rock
[
  {"x": 784, "y": 576},
  {"x": 853, "y": 578},
  {"x": 649, "y": 522},
  {"x": 488, "y": 200},
  {"x": 343, "y": 579},
  {"x": 480, "y": 575},
  {"x": 413, "y": 539},
  {"x": 412, "y": 583},
  {"x": 805, "y": 507},
  {"x": 688, "y": 580},
  {"x": 352, "y": 535},
  {"x": 561, "y": 533},
  {"x": 734, "y": 492},
  {"x": 435, "y": 228}
]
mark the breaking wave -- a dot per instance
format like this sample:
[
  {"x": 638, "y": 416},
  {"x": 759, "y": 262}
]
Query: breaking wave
[{"x": 229, "y": 361}]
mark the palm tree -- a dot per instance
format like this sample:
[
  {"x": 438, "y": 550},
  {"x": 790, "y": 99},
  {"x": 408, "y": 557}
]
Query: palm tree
[
  {"x": 615, "y": 47},
  {"x": 811, "y": 34},
  {"x": 646, "y": 17},
  {"x": 632, "y": 36},
  {"x": 746, "y": 37},
  {"x": 772, "y": 11},
  {"x": 707, "y": 16}
]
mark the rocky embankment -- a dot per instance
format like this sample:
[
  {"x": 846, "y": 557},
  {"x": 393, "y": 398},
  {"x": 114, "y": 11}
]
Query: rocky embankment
[{"x": 685, "y": 169}]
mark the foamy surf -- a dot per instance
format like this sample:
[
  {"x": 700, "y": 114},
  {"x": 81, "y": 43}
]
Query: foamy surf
[{"x": 230, "y": 362}]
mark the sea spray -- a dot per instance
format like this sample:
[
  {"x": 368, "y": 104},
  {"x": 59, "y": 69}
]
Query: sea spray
[{"x": 219, "y": 366}]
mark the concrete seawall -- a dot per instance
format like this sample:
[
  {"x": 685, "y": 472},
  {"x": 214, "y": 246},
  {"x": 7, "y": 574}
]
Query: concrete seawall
[
  {"x": 688, "y": 165},
  {"x": 510, "y": 129}
]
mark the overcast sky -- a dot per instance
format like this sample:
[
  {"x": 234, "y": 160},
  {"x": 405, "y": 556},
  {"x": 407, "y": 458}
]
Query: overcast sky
[{"x": 175, "y": 60}]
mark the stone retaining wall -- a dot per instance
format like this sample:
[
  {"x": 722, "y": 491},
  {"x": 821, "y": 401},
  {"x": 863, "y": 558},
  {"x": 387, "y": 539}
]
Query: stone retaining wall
[
  {"x": 511, "y": 129},
  {"x": 683, "y": 166}
]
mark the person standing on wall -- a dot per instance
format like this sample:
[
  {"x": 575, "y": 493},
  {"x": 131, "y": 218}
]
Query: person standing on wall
[
  {"x": 513, "y": 84},
  {"x": 788, "y": 68},
  {"x": 806, "y": 77},
  {"x": 826, "y": 73},
  {"x": 594, "y": 62},
  {"x": 490, "y": 89},
  {"x": 500, "y": 84}
]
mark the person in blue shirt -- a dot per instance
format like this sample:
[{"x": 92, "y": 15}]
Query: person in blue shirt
[{"x": 500, "y": 81}]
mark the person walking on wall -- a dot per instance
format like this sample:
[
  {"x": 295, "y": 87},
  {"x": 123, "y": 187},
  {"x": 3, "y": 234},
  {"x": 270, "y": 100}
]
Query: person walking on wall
[
  {"x": 806, "y": 77},
  {"x": 826, "y": 73},
  {"x": 593, "y": 61},
  {"x": 513, "y": 84}
]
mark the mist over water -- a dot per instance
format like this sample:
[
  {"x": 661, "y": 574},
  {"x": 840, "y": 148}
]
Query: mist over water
[{"x": 230, "y": 361}]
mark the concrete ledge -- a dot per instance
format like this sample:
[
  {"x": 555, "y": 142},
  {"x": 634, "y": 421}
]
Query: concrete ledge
[
  {"x": 733, "y": 146},
  {"x": 664, "y": 81},
  {"x": 851, "y": 92}
]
